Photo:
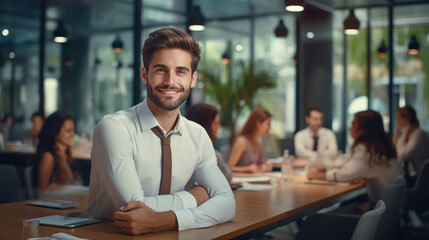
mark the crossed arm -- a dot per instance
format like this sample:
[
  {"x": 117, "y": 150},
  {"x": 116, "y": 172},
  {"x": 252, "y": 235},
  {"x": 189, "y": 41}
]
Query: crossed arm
[
  {"x": 137, "y": 218},
  {"x": 113, "y": 158}
]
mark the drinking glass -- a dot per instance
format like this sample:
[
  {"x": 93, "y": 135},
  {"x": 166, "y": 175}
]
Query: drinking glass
[{"x": 30, "y": 229}]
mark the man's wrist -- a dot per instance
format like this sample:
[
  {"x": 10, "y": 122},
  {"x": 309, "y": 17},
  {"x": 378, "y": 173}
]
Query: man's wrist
[{"x": 167, "y": 220}]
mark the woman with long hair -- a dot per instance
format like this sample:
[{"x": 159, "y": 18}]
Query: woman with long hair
[
  {"x": 54, "y": 166},
  {"x": 208, "y": 117},
  {"x": 247, "y": 153},
  {"x": 411, "y": 143},
  {"x": 373, "y": 157}
]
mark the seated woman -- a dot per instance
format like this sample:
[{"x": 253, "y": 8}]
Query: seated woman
[
  {"x": 208, "y": 117},
  {"x": 54, "y": 168},
  {"x": 373, "y": 157},
  {"x": 247, "y": 153},
  {"x": 411, "y": 143}
]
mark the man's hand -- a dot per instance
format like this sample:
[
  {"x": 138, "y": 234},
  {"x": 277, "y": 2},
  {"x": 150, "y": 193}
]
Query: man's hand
[
  {"x": 137, "y": 218},
  {"x": 200, "y": 194}
]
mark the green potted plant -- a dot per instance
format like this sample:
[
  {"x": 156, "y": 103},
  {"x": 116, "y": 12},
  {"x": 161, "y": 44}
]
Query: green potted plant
[{"x": 237, "y": 92}]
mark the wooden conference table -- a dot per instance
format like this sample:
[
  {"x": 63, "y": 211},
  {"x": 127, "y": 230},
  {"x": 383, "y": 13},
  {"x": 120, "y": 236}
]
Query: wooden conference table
[{"x": 257, "y": 212}]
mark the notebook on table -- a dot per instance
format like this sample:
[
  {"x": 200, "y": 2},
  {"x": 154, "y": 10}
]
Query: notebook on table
[
  {"x": 60, "y": 204},
  {"x": 66, "y": 221}
]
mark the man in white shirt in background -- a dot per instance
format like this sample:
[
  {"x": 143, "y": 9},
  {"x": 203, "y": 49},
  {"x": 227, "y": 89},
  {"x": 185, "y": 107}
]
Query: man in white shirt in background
[
  {"x": 315, "y": 141},
  {"x": 127, "y": 155}
]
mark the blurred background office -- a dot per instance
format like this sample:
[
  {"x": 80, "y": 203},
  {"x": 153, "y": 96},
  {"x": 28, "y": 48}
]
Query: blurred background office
[{"x": 84, "y": 57}]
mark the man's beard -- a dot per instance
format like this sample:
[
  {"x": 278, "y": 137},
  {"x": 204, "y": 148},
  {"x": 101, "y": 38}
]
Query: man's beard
[{"x": 164, "y": 105}]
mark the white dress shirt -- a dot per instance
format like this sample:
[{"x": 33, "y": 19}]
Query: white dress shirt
[
  {"x": 377, "y": 178},
  {"x": 326, "y": 144},
  {"x": 415, "y": 150},
  {"x": 126, "y": 166}
]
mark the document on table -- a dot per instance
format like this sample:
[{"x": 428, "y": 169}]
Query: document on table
[
  {"x": 255, "y": 187},
  {"x": 314, "y": 181},
  {"x": 61, "y": 204},
  {"x": 252, "y": 179},
  {"x": 67, "y": 222},
  {"x": 61, "y": 236}
]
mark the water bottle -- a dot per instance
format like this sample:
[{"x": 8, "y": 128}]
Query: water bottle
[{"x": 286, "y": 166}]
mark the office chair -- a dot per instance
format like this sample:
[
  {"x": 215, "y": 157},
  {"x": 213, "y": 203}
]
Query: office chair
[
  {"x": 342, "y": 226},
  {"x": 29, "y": 182},
  {"x": 393, "y": 197},
  {"x": 10, "y": 185},
  {"x": 418, "y": 196}
]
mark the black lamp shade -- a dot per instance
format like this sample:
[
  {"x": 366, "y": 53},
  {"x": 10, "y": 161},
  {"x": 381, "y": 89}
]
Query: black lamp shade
[
  {"x": 117, "y": 45},
  {"x": 413, "y": 46},
  {"x": 68, "y": 62},
  {"x": 196, "y": 19},
  {"x": 351, "y": 24},
  {"x": 226, "y": 56},
  {"x": 97, "y": 61},
  {"x": 294, "y": 5},
  {"x": 281, "y": 30},
  {"x": 382, "y": 50},
  {"x": 295, "y": 58},
  {"x": 60, "y": 34}
]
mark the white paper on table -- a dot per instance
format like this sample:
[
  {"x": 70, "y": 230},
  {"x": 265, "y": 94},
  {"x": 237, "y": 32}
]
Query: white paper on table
[
  {"x": 65, "y": 236},
  {"x": 255, "y": 187},
  {"x": 251, "y": 179},
  {"x": 278, "y": 160},
  {"x": 60, "y": 236},
  {"x": 324, "y": 182}
]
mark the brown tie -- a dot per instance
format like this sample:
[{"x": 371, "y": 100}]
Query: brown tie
[
  {"x": 166, "y": 162},
  {"x": 316, "y": 139}
]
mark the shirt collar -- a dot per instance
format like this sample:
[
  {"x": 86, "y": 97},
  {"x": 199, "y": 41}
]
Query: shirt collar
[
  {"x": 148, "y": 121},
  {"x": 311, "y": 132}
]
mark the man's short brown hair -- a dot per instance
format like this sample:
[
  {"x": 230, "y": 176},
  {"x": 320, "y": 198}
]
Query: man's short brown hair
[
  {"x": 171, "y": 38},
  {"x": 313, "y": 108}
]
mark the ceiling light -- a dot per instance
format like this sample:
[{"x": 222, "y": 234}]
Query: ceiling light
[
  {"x": 294, "y": 5},
  {"x": 281, "y": 30},
  {"x": 239, "y": 47},
  {"x": 196, "y": 19},
  {"x": 117, "y": 44},
  {"x": 382, "y": 50},
  {"x": 351, "y": 24},
  {"x": 5, "y": 32},
  {"x": 60, "y": 34},
  {"x": 413, "y": 46}
]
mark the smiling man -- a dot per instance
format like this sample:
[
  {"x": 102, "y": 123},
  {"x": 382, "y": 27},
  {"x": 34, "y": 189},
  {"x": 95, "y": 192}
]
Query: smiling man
[{"x": 152, "y": 169}]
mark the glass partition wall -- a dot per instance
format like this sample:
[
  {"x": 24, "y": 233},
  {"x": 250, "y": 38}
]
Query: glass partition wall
[{"x": 364, "y": 82}]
